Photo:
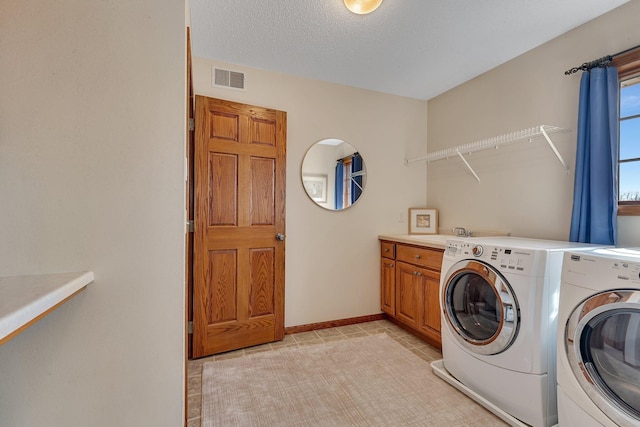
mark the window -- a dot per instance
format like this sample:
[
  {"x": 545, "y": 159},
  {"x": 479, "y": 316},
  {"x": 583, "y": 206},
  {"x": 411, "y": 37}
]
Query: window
[
  {"x": 629, "y": 160},
  {"x": 629, "y": 156}
]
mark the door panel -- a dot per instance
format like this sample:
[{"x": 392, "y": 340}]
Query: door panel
[
  {"x": 223, "y": 206},
  {"x": 239, "y": 209},
  {"x": 262, "y": 197},
  {"x": 388, "y": 286},
  {"x": 262, "y": 275},
  {"x": 430, "y": 316},
  {"x": 221, "y": 301},
  {"x": 224, "y": 125},
  {"x": 407, "y": 294}
]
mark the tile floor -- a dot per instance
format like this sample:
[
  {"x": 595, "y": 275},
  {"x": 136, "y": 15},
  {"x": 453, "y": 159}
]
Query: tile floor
[{"x": 414, "y": 344}]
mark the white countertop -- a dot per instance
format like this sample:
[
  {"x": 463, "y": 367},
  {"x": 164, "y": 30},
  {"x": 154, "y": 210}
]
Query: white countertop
[
  {"x": 26, "y": 299},
  {"x": 438, "y": 241}
]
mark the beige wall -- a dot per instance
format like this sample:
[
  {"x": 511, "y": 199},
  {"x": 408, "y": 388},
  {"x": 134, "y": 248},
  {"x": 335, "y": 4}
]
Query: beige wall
[
  {"x": 92, "y": 169},
  {"x": 92, "y": 111},
  {"x": 332, "y": 261},
  {"x": 523, "y": 188}
]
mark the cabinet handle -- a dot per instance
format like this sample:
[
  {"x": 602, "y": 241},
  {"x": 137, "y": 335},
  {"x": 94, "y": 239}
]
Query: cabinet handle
[
  {"x": 418, "y": 257},
  {"x": 386, "y": 249},
  {"x": 417, "y": 273},
  {"x": 389, "y": 265}
]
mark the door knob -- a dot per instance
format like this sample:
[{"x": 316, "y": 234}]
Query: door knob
[{"x": 280, "y": 237}]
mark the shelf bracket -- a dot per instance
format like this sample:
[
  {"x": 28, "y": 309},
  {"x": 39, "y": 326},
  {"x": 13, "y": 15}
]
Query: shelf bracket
[
  {"x": 468, "y": 165},
  {"x": 555, "y": 150}
]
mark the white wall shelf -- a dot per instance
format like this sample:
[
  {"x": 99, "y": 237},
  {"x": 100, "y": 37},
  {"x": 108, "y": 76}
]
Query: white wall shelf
[
  {"x": 530, "y": 134},
  {"x": 26, "y": 299}
]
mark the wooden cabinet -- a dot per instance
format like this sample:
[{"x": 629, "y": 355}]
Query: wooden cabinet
[{"x": 409, "y": 287}]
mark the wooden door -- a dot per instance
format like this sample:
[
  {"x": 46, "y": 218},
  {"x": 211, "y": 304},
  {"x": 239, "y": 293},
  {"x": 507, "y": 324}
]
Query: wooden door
[{"x": 239, "y": 228}]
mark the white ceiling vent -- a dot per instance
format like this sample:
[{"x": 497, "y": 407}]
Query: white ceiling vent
[{"x": 227, "y": 78}]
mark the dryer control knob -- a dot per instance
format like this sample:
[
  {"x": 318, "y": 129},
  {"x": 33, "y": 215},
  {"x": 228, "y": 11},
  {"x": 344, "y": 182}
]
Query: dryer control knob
[{"x": 477, "y": 250}]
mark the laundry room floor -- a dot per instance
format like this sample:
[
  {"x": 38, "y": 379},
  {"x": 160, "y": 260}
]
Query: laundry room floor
[{"x": 415, "y": 345}]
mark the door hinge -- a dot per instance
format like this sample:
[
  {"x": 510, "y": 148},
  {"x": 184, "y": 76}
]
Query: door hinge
[
  {"x": 190, "y": 327},
  {"x": 190, "y": 226},
  {"x": 192, "y": 124}
]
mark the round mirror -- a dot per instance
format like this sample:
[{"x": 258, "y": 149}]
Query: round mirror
[{"x": 333, "y": 174}]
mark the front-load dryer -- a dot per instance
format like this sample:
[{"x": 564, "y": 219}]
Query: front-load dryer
[
  {"x": 598, "y": 375},
  {"x": 499, "y": 299}
]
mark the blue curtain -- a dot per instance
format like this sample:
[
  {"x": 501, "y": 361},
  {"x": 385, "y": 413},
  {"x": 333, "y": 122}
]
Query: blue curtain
[
  {"x": 595, "y": 197},
  {"x": 339, "y": 195},
  {"x": 356, "y": 181}
]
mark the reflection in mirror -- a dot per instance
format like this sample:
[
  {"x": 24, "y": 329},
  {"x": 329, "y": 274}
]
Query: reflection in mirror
[{"x": 333, "y": 174}]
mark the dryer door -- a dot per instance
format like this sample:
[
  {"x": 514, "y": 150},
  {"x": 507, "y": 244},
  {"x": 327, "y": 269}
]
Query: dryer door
[
  {"x": 602, "y": 341},
  {"x": 480, "y": 307}
]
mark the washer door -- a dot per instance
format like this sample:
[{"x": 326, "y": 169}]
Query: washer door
[
  {"x": 602, "y": 341},
  {"x": 481, "y": 307}
]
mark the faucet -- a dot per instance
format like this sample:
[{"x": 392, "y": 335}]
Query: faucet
[{"x": 461, "y": 231}]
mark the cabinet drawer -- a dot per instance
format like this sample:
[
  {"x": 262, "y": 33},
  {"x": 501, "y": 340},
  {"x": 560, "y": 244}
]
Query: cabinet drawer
[
  {"x": 423, "y": 257},
  {"x": 388, "y": 250}
]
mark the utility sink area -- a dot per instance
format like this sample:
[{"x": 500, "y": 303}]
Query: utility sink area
[
  {"x": 435, "y": 240},
  {"x": 431, "y": 240}
]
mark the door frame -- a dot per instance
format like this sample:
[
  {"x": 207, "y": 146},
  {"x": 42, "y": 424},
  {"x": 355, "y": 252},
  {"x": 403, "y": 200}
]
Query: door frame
[{"x": 190, "y": 100}]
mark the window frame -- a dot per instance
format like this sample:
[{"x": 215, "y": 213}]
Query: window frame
[
  {"x": 628, "y": 67},
  {"x": 346, "y": 182}
]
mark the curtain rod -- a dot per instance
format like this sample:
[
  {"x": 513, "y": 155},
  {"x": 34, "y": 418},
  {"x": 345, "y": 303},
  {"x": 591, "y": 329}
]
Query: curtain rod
[{"x": 600, "y": 62}]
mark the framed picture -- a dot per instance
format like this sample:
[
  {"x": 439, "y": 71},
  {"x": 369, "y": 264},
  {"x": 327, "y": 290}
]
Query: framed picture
[
  {"x": 316, "y": 187},
  {"x": 423, "y": 221}
]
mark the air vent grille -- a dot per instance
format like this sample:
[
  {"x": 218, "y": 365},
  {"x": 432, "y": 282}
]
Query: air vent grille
[
  {"x": 227, "y": 78},
  {"x": 236, "y": 80}
]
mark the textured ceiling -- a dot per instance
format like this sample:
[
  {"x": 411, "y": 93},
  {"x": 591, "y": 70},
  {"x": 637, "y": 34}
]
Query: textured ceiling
[{"x": 413, "y": 48}]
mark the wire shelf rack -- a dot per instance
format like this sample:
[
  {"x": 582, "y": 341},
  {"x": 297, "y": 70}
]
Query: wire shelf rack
[{"x": 530, "y": 134}]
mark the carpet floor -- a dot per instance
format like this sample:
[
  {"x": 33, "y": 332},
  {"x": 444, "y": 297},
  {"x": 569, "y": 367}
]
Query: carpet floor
[{"x": 368, "y": 381}]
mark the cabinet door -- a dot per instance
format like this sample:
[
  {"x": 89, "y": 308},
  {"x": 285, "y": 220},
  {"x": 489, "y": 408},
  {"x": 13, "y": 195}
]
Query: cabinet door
[
  {"x": 430, "y": 307},
  {"x": 408, "y": 298},
  {"x": 388, "y": 286}
]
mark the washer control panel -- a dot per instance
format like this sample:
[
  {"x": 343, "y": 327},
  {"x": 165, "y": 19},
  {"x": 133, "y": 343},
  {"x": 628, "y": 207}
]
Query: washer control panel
[
  {"x": 457, "y": 249},
  {"x": 513, "y": 260},
  {"x": 616, "y": 267},
  {"x": 504, "y": 258}
]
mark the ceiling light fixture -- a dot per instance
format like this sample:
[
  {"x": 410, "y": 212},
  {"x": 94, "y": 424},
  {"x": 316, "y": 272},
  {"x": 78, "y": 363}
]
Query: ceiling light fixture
[{"x": 362, "y": 7}]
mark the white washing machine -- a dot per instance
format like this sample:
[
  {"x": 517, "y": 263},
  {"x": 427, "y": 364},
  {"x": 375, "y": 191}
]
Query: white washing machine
[
  {"x": 599, "y": 339},
  {"x": 499, "y": 299}
]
